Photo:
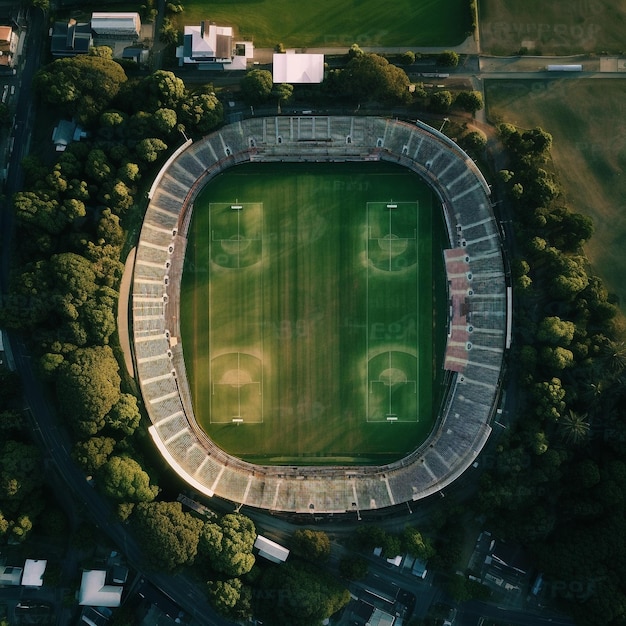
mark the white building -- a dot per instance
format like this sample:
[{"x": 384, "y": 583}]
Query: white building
[
  {"x": 271, "y": 550},
  {"x": 295, "y": 68},
  {"x": 209, "y": 46},
  {"x": 94, "y": 591},
  {"x": 125, "y": 25},
  {"x": 33, "y": 572}
]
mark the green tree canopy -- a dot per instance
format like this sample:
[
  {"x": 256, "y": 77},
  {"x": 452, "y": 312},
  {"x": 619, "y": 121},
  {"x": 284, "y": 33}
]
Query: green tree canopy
[
  {"x": 417, "y": 545},
  {"x": 448, "y": 58},
  {"x": 20, "y": 474},
  {"x": 228, "y": 544},
  {"x": 230, "y": 598},
  {"x": 170, "y": 536},
  {"x": 200, "y": 113},
  {"x": 123, "y": 479},
  {"x": 82, "y": 85},
  {"x": 256, "y": 86},
  {"x": 555, "y": 331},
  {"x": 470, "y": 101},
  {"x": 124, "y": 416},
  {"x": 149, "y": 149},
  {"x": 311, "y": 544},
  {"x": 88, "y": 386},
  {"x": 93, "y": 453},
  {"x": 161, "y": 89},
  {"x": 441, "y": 101},
  {"x": 371, "y": 77},
  {"x": 299, "y": 595}
]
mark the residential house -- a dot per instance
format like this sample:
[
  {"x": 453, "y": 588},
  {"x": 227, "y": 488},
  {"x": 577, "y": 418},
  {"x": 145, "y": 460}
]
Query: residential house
[
  {"x": 70, "y": 38},
  {"x": 213, "y": 47}
]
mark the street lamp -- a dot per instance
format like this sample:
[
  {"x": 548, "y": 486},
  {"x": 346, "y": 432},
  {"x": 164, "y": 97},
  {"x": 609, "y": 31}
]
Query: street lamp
[{"x": 445, "y": 119}]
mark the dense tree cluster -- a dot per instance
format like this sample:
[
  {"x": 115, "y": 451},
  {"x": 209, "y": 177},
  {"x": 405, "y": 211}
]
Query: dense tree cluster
[
  {"x": 21, "y": 476},
  {"x": 311, "y": 544},
  {"x": 558, "y": 480},
  {"x": 296, "y": 593},
  {"x": 70, "y": 221}
]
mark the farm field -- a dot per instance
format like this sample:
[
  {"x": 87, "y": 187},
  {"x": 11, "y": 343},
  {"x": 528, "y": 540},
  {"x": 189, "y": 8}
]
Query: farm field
[
  {"x": 560, "y": 27},
  {"x": 586, "y": 120},
  {"x": 308, "y": 312},
  {"x": 328, "y": 23}
]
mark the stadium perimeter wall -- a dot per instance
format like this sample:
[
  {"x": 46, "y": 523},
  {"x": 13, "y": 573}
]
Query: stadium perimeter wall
[{"x": 463, "y": 425}]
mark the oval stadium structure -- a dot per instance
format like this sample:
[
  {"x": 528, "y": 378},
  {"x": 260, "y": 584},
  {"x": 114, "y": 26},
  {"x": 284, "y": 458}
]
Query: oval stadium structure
[{"x": 477, "y": 326}]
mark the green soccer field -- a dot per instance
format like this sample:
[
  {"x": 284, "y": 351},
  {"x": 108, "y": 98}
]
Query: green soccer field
[
  {"x": 309, "y": 301},
  {"x": 328, "y": 23}
]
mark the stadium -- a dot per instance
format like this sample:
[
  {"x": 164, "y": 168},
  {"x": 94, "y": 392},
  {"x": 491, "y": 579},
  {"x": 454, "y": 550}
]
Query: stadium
[{"x": 478, "y": 325}]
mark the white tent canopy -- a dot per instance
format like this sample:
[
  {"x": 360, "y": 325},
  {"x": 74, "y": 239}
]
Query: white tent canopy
[{"x": 298, "y": 68}]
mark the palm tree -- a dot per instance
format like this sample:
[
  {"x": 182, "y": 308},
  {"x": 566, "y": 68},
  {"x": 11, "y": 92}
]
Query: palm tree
[
  {"x": 574, "y": 427},
  {"x": 614, "y": 356}
]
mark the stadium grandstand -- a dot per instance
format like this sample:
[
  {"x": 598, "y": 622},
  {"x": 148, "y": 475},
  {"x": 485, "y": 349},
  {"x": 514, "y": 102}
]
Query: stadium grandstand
[{"x": 477, "y": 325}]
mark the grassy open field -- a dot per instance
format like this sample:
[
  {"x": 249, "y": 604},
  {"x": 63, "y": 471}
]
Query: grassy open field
[
  {"x": 557, "y": 27},
  {"x": 588, "y": 123},
  {"x": 328, "y": 23},
  {"x": 308, "y": 313}
]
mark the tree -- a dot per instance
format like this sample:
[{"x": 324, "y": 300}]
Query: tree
[
  {"x": 123, "y": 479},
  {"x": 448, "y": 58},
  {"x": 353, "y": 568},
  {"x": 124, "y": 416},
  {"x": 556, "y": 358},
  {"x": 149, "y": 149},
  {"x": 555, "y": 331},
  {"x": 228, "y": 544},
  {"x": 371, "y": 77},
  {"x": 201, "y": 113},
  {"x": 20, "y": 474},
  {"x": 408, "y": 58},
  {"x": 369, "y": 537},
  {"x": 231, "y": 598},
  {"x": 475, "y": 141},
  {"x": 574, "y": 427},
  {"x": 161, "y": 89},
  {"x": 164, "y": 121},
  {"x": 470, "y": 101},
  {"x": 21, "y": 528},
  {"x": 82, "y": 85},
  {"x": 549, "y": 396},
  {"x": 38, "y": 210},
  {"x": 299, "y": 595},
  {"x": 97, "y": 166},
  {"x": 93, "y": 453},
  {"x": 256, "y": 86},
  {"x": 169, "y": 535},
  {"x": 283, "y": 93},
  {"x": 416, "y": 545},
  {"x": 168, "y": 34},
  {"x": 441, "y": 101},
  {"x": 88, "y": 386},
  {"x": 355, "y": 51},
  {"x": 311, "y": 544}
]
